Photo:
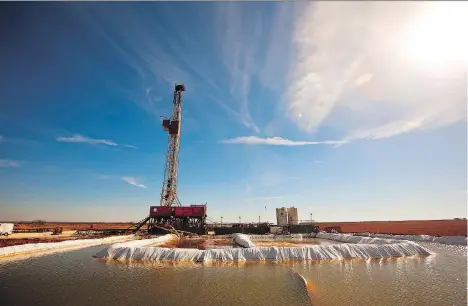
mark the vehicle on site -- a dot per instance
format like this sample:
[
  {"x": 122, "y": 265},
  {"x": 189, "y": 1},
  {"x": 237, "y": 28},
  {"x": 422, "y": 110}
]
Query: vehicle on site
[
  {"x": 57, "y": 230},
  {"x": 6, "y": 229}
]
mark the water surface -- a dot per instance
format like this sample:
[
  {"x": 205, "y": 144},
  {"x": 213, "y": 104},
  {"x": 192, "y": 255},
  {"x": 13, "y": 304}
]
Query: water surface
[{"x": 75, "y": 278}]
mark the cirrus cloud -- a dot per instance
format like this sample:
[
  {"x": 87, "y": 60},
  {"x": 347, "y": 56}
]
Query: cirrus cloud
[
  {"x": 6, "y": 163},
  {"x": 356, "y": 75},
  {"x": 133, "y": 181},
  {"x": 83, "y": 139},
  {"x": 278, "y": 141}
]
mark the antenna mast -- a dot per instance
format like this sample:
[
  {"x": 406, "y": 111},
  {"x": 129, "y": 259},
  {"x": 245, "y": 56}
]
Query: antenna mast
[{"x": 172, "y": 126}]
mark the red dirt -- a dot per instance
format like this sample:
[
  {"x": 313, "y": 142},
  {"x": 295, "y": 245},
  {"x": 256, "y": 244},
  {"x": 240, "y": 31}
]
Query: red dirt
[
  {"x": 419, "y": 227},
  {"x": 72, "y": 226}
]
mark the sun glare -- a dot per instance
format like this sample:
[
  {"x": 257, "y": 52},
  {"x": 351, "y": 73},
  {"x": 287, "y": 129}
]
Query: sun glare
[{"x": 440, "y": 35}]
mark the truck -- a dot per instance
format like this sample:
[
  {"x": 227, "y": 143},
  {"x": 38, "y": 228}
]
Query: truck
[{"x": 6, "y": 229}]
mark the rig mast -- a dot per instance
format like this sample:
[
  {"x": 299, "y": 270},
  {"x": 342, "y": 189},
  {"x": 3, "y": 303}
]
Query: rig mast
[
  {"x": 170, "y": 215},
  {"x": 172, "y": 126}
]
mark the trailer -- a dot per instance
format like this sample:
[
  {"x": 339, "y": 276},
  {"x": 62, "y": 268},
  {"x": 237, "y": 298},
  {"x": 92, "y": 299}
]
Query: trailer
[{"x": 6, "y": 229}]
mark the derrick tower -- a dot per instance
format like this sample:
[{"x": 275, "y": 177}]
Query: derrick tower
[
  {"x": 170, "y": 214},
  {"x": 172, "y": 126}
]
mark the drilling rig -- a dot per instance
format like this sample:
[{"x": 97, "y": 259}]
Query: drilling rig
[
  {"x": 172, "y": 126},
  {"x": 170, "y": 213}
]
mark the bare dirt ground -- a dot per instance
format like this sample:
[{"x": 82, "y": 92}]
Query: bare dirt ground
[
  {"x": 417, "y": 227},
  {"x": 71, "y": 225}
]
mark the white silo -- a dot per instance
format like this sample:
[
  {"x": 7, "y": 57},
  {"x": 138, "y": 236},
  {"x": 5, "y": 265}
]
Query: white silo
[{"x": 282, "y": 216}]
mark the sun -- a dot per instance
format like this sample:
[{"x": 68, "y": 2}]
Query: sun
[{"x": 440, "y": 35}]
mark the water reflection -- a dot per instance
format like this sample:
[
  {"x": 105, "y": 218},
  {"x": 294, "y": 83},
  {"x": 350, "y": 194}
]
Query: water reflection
[
  {"x": 75, "y": 278},
  {"x": 187, "y": 264}
]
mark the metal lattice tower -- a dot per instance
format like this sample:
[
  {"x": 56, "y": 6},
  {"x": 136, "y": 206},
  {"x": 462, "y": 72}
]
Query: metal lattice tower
[{"x": 172, "y": 126}]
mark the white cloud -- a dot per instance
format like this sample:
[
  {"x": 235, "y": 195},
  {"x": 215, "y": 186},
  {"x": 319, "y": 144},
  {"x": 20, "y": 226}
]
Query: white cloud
[
  {"x": 278, "y": 141},
  {"x": 1, "y": 138},
  {"x": 133, "y": 181},
  {"x": 356, "y": 77},
  {"x": 6, "y": 163},
  {"x": 363, "y": 79},
  {"x": 103, "y": 176},
  {"x": 130, "y": 146},
  {"x": 83, "y": 139}
]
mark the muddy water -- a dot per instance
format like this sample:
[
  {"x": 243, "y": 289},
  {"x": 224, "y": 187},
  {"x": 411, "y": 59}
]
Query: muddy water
[
  {"x": 198, "y": 243},
  {"x": 217, "y": 243},
  {"x": 75, "y": 278}
]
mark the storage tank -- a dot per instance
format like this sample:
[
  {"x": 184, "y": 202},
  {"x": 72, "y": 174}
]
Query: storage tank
[
  {"x": 282, "y": 216},
  {"x": 293, "y": 218}
]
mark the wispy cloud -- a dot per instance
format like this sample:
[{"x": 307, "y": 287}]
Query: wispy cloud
[
  {"x": 6, "y": 163},
  {"x": 133, "y": 181},
  {"x": 138, "y": 47},
  {"x": 293, "y": 178},
  {"x": 317, "y": 161},
  {"x": 237, "y": 115},
  {"x": 278, "y": 141},
  {"x": 20, "y": 141},
  {"x": 278, "y": 53},
  {"x": 356, "y": 76},
  {"x": 239, "y": 41},
  {"x": 103, "y": 176},
  {"x": 84, "y": 139},
  {"x": 130, "y": 146}
]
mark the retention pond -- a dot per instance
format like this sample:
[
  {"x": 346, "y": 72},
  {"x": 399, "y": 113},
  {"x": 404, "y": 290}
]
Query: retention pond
[
  {"x": 76, "y": 278},
  {"x": 226, "y": 242}
]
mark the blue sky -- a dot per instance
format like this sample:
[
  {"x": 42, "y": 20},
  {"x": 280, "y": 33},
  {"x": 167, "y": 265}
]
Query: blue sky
[{"x": 329, "y": 107}]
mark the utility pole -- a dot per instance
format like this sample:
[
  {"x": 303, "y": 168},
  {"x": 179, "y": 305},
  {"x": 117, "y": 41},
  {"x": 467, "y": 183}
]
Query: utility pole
[
  {"x": 221, "y": 220},
  {"x": 311, "y": 219},
  {"x": 258, "y": 219},
  {"x": 239, "y": 219}
]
